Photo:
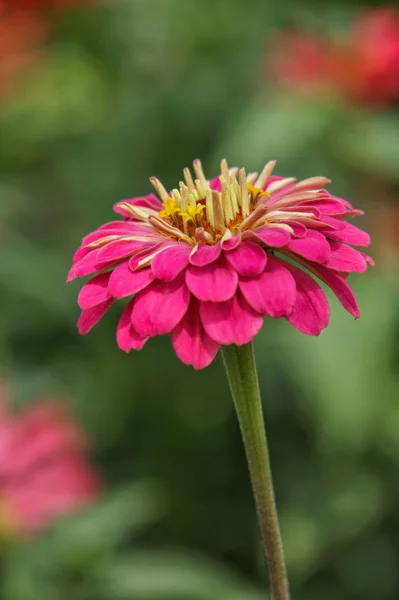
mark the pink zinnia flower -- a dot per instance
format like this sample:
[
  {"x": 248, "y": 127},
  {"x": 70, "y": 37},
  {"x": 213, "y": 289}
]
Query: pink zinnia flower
[
  {"x": 211, "y": 260},
  {"x": 43, "y": 469}
]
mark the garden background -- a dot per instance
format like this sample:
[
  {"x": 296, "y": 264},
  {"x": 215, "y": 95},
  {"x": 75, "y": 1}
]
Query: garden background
[{"x": 94, "y": 99}]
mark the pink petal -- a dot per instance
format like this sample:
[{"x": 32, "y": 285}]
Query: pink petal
[
  {"x": 299, "y": 228},
  {"x": 117, "y": 250},
  {"x": 231, "y": 243},
  {"x": 311, "y": 312},
  {"x": 160, "y": 307},
  {"x": 327, "y": 206},
  {"x": 167, "y": 264},
  {"x": 347, "y": 259},
  {"x": 126, "y": 336},
  {"x": 125, "y": 282},
  {"x": 215, "y": 282},
  {"x": 85, "y": 266},
  {"x": 351, "y": 235},
  {"x": 313, "y": 247},
  {"x": 145, "y": 252},
  {"x": 190, "y": 341},
  {"x": 150, "y": 201},
  {"x": 231, "y": 322},
  {"x": 94, "y": 292},
  {"x": 275, "y": 237},
  {"x": 91, "y": 316},
  {"x": 203, "y": 254},
  {"x": 340, "y": 288},
  {"x": 249, "y": 259},
  {"x": 215, "y": 184},
  {"x": 273, "y": 292}
]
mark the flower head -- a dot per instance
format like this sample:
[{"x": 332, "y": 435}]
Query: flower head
[
  {"x": 209, "y": 260},
  {"x": 43, "y": 470}
]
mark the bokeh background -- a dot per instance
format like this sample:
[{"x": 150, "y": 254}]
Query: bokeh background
[{"x": 94, "y": 99}]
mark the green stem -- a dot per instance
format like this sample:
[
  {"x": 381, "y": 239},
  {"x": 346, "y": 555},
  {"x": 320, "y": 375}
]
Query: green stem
[{"x": 241, "y": 372}]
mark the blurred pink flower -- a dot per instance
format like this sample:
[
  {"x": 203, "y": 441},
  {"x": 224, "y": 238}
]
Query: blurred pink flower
[
  {"x": 364, "y": 66},
  {"x": 43, "y": 468},
  {"x": 209, "y": 262}
]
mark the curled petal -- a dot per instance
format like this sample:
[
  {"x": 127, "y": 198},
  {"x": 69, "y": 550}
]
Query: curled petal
[
  {"x": 231, "y": 243},
  {"x": 275, "y": 237},
  {"x": 167, "y": 264},
  {"x": 231, "y": 322},
  {"x": 94, "y": 292},
  {"x": 216, "y": 282},
  {"x": 311, "y": 312},
  {"x": 191, "y": 342},
  {"x": 248, "y": 259},
  {"x": 91, "y": 316},
  {"x": 203, "y": 254},
  {"x": 125, "y": 282},
  {"x": 150, "y": 201},
  {"x": 127, "y": 337},
  {"x": 160, "y": 307},
  {"x": 273, "y": 292}
]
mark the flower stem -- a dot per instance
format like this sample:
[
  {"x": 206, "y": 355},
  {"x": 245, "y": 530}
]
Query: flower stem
[{"x": 241, "y": 372}]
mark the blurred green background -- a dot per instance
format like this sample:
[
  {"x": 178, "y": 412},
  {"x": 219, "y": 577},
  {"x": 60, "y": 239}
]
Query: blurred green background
[{"x": 124, "y": 90}]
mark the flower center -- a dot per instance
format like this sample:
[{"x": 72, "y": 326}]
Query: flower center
[{"x": 196, "y": 209}]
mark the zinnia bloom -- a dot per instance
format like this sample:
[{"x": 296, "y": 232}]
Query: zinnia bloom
[
  {"x": 211, "y": 260},
  {"x": 43, "y": 469}
]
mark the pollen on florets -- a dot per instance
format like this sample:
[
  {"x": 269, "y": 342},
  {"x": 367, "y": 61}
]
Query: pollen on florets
[{"x": 196, "y": 205}]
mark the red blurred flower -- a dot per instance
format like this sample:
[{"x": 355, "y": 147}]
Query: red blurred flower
[
  {"x": 364, "y": 67},
  {"x": 37, "y": 5},
  {"x": 21, "y": 38},
  {"x": 43, "y": 468}
]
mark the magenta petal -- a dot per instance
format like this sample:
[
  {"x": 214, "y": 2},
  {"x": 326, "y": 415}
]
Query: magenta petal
[
  {"x": 160, "y": 307},
  {"x": 231, "y": 243},
  {"x": 85, "y": 266},
  {"x": 126, "y": 336},
  {"x": 346, "y": 259},
  {"x": 273, "y": 236},
  {"x": 215, "y": 184},
  {"x": 150, "y": 201},
  {"x": 249, "y": 259},
  {"x": 167, "y": 264},
  {"x": 340, "y": 288},
  {"x": 216, "y": 282},
  {"x": 351, "y": 235},
  {"x": 190, "y": 341},
  {"x": 273, "y": 292},
  {"x": 91, "y": 316},
  {"x": 313, "y": 246},
  {"x": 311, "y": 312},
  {"x": 203, "y": 254},
  {"x": 117, "y": 250},
  {"x": 146, "y": 251},
  {"x": 124, "y": 282},
  {"x": 94, "y": 292},
  {"x": 231, "y": 322}
]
